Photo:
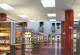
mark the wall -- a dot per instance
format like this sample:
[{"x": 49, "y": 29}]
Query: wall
[{"x": 47, "y": 27}]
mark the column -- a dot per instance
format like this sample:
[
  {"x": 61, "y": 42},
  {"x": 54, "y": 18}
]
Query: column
[
  {"x": 24, "y": 25},
  {"x": 23, "y": 41},
  {"x": 12, "y": 38},
  {"x": 69, "y": 22},
  {"x": 62, "y": 35}
]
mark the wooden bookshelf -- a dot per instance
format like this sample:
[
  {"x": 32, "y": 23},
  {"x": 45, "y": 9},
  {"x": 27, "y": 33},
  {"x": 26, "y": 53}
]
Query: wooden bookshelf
[
  {"x": 18, "y": 36},
  {"x": 36, "y": 41},
  {"x": 74, "y": 40},
  {"x": 29, "y": 41},
  {"x": 4, "y": 37}
]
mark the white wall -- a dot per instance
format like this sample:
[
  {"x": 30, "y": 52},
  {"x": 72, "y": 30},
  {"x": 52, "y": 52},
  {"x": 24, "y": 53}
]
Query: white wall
[
  {"x": 33, "y": 25},
  {"x": 46, "y": 27}
]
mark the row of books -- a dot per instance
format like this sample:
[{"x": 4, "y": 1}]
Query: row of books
[{"x": 4, "y": 41}]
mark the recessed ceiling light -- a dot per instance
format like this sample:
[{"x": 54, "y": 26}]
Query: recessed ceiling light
[
  {"x": 48, "y": 3},
  {"x": 52, "y": 19},
  {"x": 32, "y": 20},
  {"x": 23, "y": 16},
  {"x": 76, "y": 19},
  {"x": 6, "y": 7},
  {"x": 51, "y": 15}
]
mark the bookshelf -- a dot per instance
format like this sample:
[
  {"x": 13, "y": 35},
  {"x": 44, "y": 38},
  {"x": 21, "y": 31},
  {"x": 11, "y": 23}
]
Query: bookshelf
[
  {"x": 74, "y": 40},
  {"x": 4, "y": 38},
  {"x": 29, "y": 41},
  {"x": 18, "y": 36},
  {"x": 45, "y": 40},
  {"x": 41, "y": 40},
  {"x": 36, "y": 41}
]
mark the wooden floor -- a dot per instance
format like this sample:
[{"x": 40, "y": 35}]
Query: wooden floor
[{"x": 46, "y": 50}]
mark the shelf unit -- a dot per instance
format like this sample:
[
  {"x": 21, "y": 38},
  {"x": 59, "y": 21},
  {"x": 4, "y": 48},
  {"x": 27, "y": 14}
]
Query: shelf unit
[
  {"x": 29, "y": 41},
  {"x": 36, "y": 41},
  {"x": 74, "y": 41},
  {"x": 4, "y": 38},
  {"x": 45, "y": 40},
  {"x": 41, "y": 40},
  {"x": 18, "y": 36}
]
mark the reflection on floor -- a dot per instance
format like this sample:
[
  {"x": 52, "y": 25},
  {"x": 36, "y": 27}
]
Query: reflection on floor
[{"x": 47, "y": 50}]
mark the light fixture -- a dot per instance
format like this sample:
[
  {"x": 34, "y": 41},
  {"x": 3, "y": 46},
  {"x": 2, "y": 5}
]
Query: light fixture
[
  {"x": 32, "y": 20},
  {"x": 79, "y": 14},
  {"x": 23, "y": 16},
  {"x": 51, "y": 15},
  {"x": 6, "y": 7},
  {"x": 52, "y": 19},
  {"x": 48, "y": 3},
  {"x": 76, "y": 19}
]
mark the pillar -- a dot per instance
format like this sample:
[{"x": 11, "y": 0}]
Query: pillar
[
  {"x": 12, "y": 38},
  {"x": 69, "y": 22},
  {"x": 23, "y": 41},
  {"x": 62, "y": 35}
]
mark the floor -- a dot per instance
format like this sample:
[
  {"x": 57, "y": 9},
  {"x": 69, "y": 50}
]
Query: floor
[{"x": 54, "y": 49}]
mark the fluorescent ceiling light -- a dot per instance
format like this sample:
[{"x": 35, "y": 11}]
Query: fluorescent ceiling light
[
  {"x": 48, "y": 3},
  {"x": 23, "y": 16},
  {"x": 32, "y": 20},
  {"x": 79, "y": 14},
  {"x": 76, "y": 19},
  {"x": 6, "y": 7},
  {"x": 51, "y": 15},
  {"x": 52, "y": 19}
]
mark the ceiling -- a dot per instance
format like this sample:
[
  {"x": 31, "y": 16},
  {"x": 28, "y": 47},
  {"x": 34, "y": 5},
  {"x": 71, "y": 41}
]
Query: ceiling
[{"x": 35, "y": 11}]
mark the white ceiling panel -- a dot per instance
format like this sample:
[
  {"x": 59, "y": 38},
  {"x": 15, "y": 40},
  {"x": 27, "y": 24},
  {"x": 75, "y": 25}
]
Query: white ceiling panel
[{"x": 35, "y": 11}]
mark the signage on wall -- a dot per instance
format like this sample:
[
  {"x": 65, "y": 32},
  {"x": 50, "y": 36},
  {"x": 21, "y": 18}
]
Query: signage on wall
[
  {"x": 41, "y": 27},
  {"x": 3, "y": 17},
  {"x": 53, "y": 27},
  {"x": 58, "y": 25}
]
